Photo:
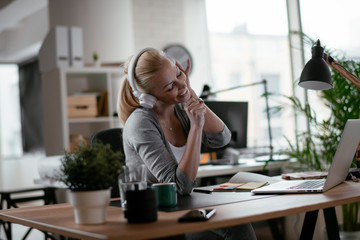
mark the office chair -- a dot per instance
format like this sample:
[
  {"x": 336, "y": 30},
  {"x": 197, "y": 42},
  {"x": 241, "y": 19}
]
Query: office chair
[{"x": 112, "y": 136}]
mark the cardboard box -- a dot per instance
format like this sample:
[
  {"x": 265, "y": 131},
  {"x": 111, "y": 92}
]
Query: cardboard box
[{"x": 82, "y": 106}]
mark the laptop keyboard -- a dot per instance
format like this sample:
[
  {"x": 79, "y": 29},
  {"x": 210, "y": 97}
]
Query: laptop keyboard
[{"x": 309, "y": 184}]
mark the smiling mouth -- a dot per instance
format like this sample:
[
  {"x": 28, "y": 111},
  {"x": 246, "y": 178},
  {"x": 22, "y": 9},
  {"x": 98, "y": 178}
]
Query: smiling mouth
[{"x": 183, "y": 93}]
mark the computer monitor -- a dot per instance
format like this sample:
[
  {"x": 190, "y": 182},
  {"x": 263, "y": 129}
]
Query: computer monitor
[{"x": 235, "y": 116}]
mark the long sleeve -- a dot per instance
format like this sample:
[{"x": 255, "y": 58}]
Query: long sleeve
[
  {"x": 209, "y": 139},
  {"x": 145, "y": 143}
]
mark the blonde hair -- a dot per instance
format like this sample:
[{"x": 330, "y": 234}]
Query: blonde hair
[{"x": 149, "y": 63}]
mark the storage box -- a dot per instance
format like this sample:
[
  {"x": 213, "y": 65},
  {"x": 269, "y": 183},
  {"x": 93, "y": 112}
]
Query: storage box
[{"x": 83, "y": 106}]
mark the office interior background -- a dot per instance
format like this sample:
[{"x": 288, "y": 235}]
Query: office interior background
[{"x": 232, "y": 42}]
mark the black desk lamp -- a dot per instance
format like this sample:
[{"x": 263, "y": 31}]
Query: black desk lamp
[
  {"x": 316, "y": 75},
  {"x": 206, "y": 93}
]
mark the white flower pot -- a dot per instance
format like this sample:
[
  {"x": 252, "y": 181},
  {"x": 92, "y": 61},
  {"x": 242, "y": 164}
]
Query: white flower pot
[{"x": 90, "y": 207}]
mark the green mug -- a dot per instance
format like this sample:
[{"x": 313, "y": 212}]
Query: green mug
[{"x": 166, "y": 194}]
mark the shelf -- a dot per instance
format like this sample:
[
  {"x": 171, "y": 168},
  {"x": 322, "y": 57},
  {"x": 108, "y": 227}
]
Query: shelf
[
  {"x": 60, "y": 83},
  {"x": 90, "y": 120}
]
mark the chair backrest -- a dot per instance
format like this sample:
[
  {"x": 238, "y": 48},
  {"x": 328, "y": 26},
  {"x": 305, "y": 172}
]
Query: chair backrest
[{"x": 112, "y": 136}]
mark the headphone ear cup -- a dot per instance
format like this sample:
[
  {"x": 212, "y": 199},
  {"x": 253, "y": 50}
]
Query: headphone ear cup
[{"x": 147, "y": 100}]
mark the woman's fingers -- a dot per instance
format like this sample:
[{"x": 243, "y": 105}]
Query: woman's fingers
[
  {"x": 195, "y": 106},
  {"x": 179, "y": 66},
  {"x": 187, "y": 70},
  {"x": 188, "y": 67}
]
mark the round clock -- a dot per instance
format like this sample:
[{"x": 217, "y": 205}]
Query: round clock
[{"x": 180, "y": 54}]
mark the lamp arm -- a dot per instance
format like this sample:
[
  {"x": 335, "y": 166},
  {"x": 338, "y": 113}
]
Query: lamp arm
[
  {"x": 236, "y": 87},
  {"x": 340, "y": 69}
]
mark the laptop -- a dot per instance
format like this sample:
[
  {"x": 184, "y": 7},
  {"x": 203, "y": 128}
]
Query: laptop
[{"x": 337, "y": 173}]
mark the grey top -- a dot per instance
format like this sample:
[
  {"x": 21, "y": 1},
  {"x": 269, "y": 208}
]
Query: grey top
[{"x": 145, "y": 143}]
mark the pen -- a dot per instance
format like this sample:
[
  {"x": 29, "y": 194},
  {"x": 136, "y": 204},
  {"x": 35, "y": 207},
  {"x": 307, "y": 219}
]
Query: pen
[{"x": 202, "y": 190}]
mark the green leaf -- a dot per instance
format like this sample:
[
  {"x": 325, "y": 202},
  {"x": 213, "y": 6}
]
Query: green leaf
[{"x": 90, "y": 168}]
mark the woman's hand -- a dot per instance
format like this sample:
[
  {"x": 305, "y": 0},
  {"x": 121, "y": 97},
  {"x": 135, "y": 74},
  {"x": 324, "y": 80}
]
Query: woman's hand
[
  {"x": 187, "y": 70},
  {"x": 196, "y": 110},
  {"x": 187, "y": 81},
  {"x": 189, "y": 163}
]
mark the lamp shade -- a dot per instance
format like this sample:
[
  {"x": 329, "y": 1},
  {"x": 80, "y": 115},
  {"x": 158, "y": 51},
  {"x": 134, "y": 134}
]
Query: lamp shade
[{"x": 316, "y": 74}]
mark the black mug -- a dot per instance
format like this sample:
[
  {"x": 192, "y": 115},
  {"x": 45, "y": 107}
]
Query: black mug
[{"x": 141, "y": 206}]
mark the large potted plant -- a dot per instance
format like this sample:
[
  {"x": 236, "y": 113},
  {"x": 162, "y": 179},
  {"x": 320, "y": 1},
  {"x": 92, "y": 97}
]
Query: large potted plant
[
  {"x": 315, "y": 151},
  {"x": 89, "y": 173}
]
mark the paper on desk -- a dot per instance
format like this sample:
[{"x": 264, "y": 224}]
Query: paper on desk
[
  {"x": 251, "y": 185},
  {"x": 230, "y": 187}
]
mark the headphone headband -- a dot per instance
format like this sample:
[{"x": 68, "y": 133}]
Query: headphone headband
[{"x": 146, "y": 100}]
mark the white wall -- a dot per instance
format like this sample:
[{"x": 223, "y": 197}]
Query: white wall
[
  {"x": 159, "y": 23},
  {"x": 197, "y": 41},
  {"x": 107, "y": 26}
]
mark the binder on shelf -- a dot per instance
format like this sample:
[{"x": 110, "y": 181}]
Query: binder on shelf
[
  {"x": 62, "y": 47},
  {"x": 76, "y": 47},
  {"x": 54, "y": 51}
]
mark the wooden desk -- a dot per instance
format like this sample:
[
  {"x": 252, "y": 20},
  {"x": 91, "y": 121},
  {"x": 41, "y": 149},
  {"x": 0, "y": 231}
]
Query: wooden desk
[{"x": 59, "y": 218}]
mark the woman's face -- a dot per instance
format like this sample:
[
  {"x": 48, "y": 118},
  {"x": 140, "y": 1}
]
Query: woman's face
[{"x": 171, "y": 84}]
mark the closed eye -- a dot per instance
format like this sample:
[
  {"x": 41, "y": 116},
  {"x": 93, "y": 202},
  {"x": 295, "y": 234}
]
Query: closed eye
[
  {"x": 171, "y": 87},
  {"x": 178, "y": 73}
]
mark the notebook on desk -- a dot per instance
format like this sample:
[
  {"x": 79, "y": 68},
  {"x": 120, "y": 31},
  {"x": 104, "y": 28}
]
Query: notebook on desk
[{"x": 337, "y": 173}]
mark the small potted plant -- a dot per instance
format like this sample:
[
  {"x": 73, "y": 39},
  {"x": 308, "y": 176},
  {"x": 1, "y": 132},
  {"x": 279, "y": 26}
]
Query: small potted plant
[
  {"x": 96, "y": 59},
  {"x": 89, "y": 173}
]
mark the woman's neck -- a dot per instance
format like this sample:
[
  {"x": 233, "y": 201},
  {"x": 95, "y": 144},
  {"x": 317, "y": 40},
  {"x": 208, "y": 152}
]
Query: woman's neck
[
  {"x": 164, "y": 111},
  {"x": 170, "y": 125}
]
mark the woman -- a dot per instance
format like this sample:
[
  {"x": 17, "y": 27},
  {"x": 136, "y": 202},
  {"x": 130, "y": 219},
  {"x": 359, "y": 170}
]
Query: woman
[
  {"x": 167, "y": 136},
  {"x": 165, "y": 122}
]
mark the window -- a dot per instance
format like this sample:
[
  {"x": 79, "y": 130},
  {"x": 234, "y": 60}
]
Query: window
[
  {"x": 337, "y": 30},
  {"x": 245, "y": 42},
  {"x": 234, "y": 79},
  {"x": 10, "y": 123}
]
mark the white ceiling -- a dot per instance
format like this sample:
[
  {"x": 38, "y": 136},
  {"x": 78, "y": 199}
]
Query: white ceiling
[
  {"x": 14, "y": 12},
  {"x": 16, "y": 45}
]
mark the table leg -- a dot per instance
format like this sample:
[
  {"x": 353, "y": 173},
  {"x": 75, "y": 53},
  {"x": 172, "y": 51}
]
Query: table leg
[
  {"x": 332, "y": 227},
  {"x": 6, "y": 225},
  {"x": 7, "y": 229},
  {"x": 277, "y": 233},
  {"x": 308, "y": 228}
]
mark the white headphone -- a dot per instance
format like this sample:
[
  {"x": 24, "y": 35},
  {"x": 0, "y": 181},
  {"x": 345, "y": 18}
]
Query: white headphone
[{"x": 146, "y": 100}]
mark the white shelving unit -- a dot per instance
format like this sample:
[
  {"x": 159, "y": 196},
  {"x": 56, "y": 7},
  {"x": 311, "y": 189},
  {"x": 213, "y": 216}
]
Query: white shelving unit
[{"x": 59, "y": 83}]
